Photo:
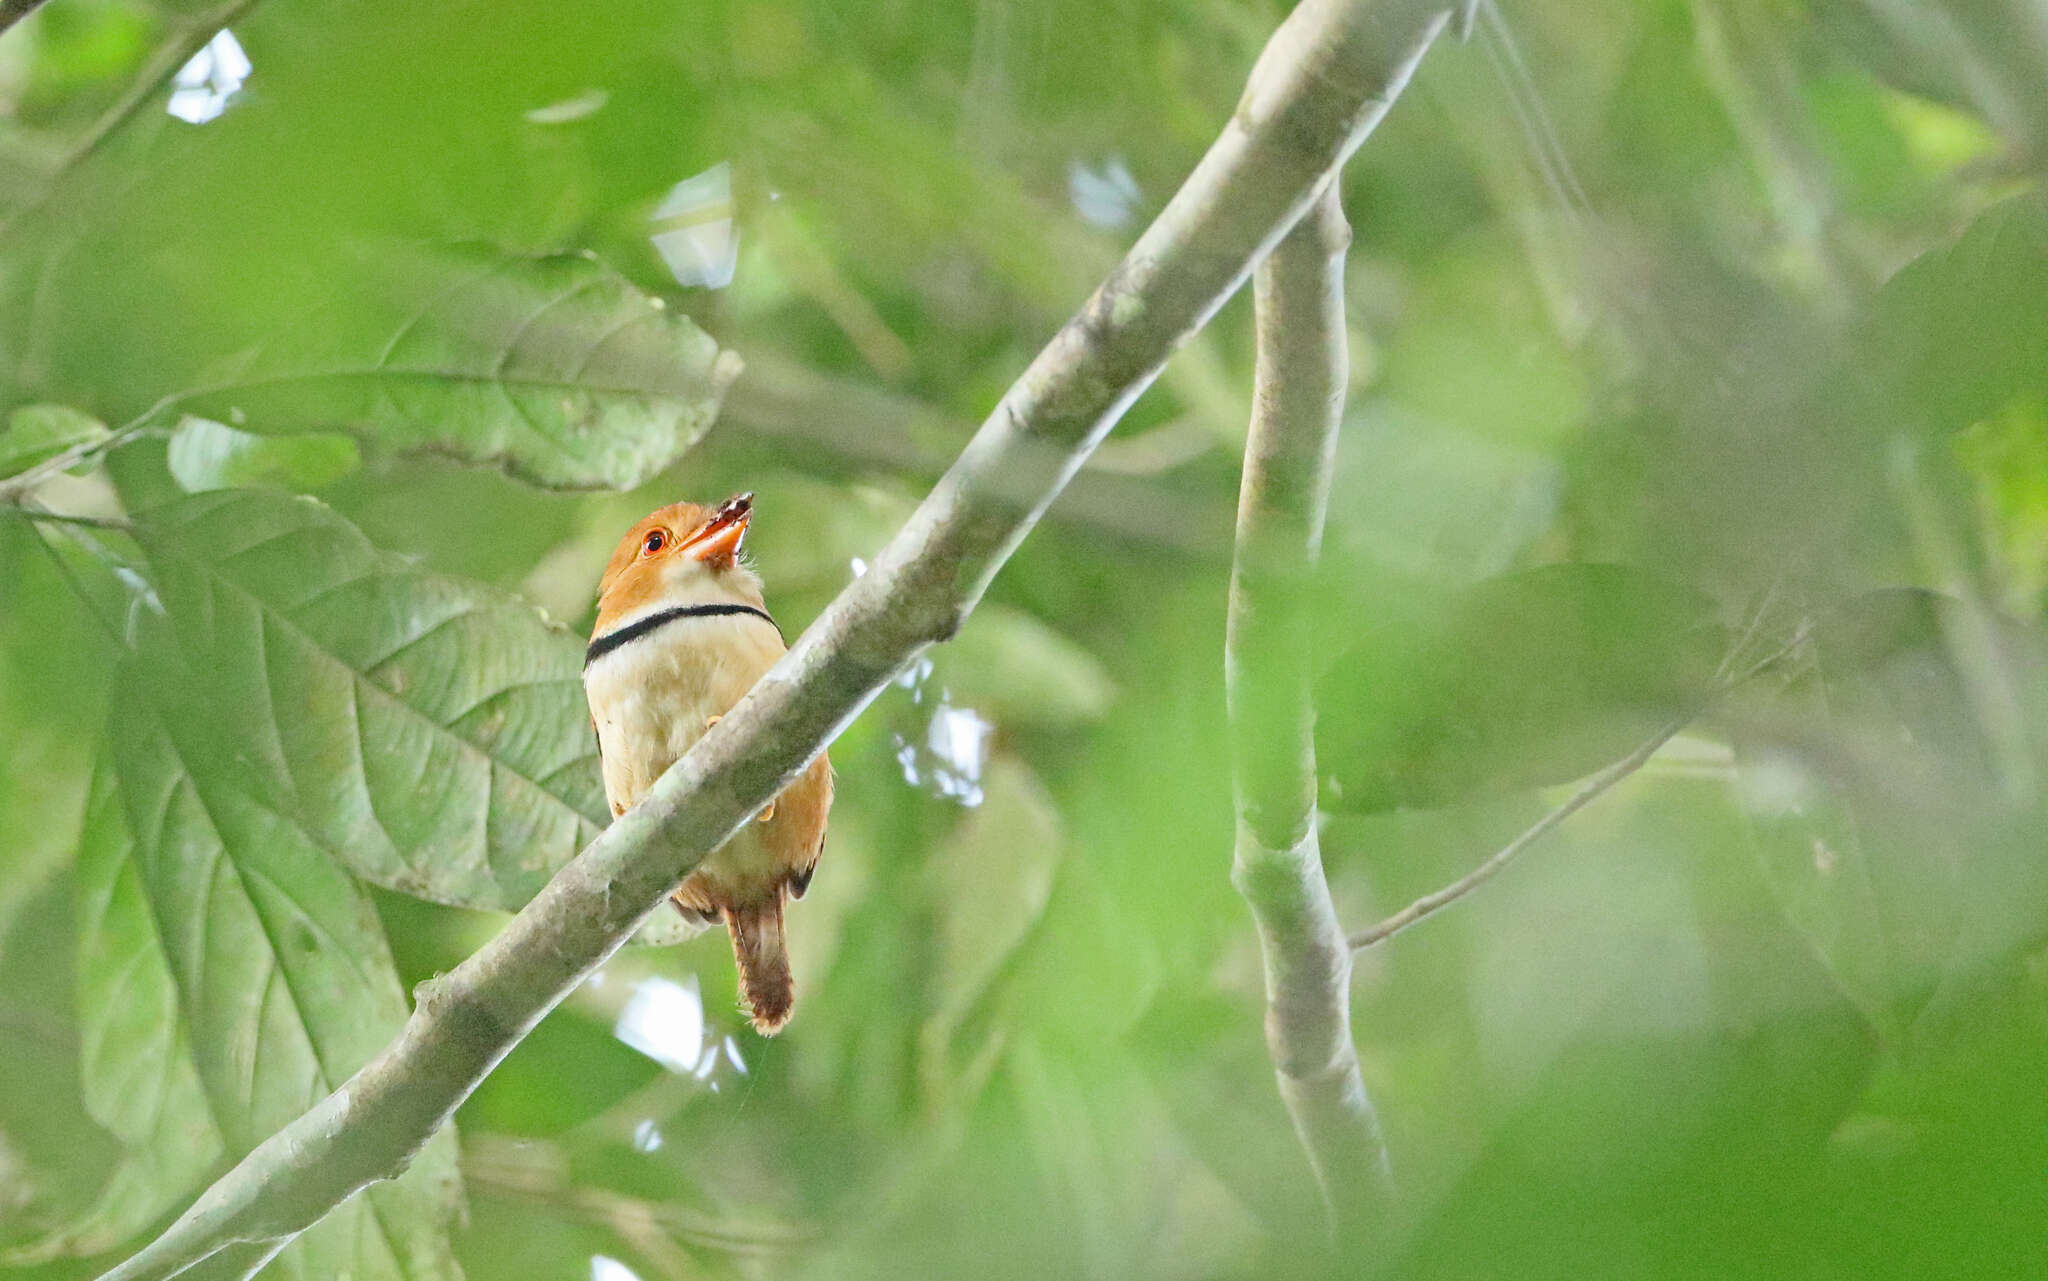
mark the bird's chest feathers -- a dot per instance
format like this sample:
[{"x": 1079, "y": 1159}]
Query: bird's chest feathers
[{"x": 651, "y": 698}]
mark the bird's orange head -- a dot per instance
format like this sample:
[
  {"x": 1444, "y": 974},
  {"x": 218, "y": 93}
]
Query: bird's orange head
[{"x": 680, "y": 554}]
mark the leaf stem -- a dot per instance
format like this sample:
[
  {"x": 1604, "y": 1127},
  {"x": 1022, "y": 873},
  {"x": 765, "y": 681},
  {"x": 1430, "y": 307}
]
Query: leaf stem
[{"x": 14, "y": 487}]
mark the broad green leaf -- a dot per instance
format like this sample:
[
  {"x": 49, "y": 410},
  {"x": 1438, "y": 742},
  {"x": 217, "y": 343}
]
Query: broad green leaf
[
  {"x": 554, "y": 368},
  {"x": 529, "y": 1095},
  {"x": 430, "y": 732},
  {"x": 135, "y": 1052},
  {"x": 283, "y": 983},
  {"x": 56, "y": 1158},
  {"x": 1521, "y": 681},
  {"x": 204, "y": 454},
  {"x": 51, "y": 702},
  {"x": 37, "y": 432}
]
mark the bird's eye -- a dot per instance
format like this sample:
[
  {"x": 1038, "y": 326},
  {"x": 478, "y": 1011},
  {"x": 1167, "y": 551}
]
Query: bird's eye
[{"x": 656, "y": 540}]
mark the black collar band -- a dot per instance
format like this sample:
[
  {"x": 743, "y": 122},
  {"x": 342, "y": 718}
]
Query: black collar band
[{"x": 634, "y": 630}]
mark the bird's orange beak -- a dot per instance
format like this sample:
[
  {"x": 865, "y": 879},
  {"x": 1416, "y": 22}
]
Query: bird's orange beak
[{"x": 717, "y": 541}]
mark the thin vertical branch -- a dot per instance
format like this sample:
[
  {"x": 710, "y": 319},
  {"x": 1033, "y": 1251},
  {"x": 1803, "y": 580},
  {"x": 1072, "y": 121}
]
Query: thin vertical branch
[{"x": 1296, "y": 409}]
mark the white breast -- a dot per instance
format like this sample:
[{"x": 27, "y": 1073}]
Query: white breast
[{"x": 651, "y": 697}]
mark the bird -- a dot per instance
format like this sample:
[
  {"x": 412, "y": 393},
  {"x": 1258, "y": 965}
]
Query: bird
[{"x": 682, "y": 633}]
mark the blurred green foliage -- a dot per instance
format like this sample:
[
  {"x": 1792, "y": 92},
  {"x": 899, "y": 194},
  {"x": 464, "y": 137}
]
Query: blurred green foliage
[{"x": 1683, "y": 330}]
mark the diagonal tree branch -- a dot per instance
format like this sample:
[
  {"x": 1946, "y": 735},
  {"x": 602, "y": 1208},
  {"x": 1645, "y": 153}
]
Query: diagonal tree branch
[
  {"x": 1325, "y": 79},
  {"x": 866, "y": 426},
  {"x": 1296, "y": 409}
]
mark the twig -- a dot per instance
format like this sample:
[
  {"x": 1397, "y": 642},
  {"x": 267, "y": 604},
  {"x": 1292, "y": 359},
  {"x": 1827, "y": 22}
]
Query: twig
[
  {"x": 1289, "y": 452},
  {"x": 1588, "y": 791},
  {"x": 1478, "y": 876},
  {"x": 13, "y": 487},
  {"x": 866, "y": 426},
  {"x": 1324, "y": 81}
]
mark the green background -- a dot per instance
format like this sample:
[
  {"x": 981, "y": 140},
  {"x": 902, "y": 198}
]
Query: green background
[{"x": 1679, "y": 329}]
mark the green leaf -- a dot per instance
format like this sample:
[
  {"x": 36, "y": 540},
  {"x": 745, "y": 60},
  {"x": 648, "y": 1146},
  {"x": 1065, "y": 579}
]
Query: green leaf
[
  {"x": 234, "y": 976},
  {"x": 204, "y": 454},
  {"x": 38, "y": 432},
  {"x": 529, "y": 1095},
  {"x": 1521, "y": 681},
  {"x": 1959, "y": 331},
  {"x": 555, "y": 368},
  {"x": 430, "y": 732},
  {"x": 135, "y": 1052}
]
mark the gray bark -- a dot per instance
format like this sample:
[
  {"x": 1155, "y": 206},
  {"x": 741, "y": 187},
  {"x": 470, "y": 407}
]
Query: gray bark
[{"x": 1297, "y": 408}]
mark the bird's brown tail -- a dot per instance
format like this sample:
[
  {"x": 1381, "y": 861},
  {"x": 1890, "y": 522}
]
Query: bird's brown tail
[{"x": 762, "y": 953}]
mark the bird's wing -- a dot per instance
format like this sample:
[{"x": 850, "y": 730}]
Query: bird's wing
[
  {"x": 797, "y": 833},
  {"x": 613, "y": 801}
]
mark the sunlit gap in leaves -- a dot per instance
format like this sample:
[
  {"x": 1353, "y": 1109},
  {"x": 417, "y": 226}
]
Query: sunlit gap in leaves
[
  {"x": 1105, "y": 195},
  {"x": 664, "y": 1020},
  {"x": 948, "y": 758},
  {"x": 647, "y": 1136},
  {"x": 206, "y": 84},
  {"x": 947, "y": 761},
  {"x": 1775, "y": 785},
  {"x": 694, "y": 231},
  {"x": 605, "y": 1268}
]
